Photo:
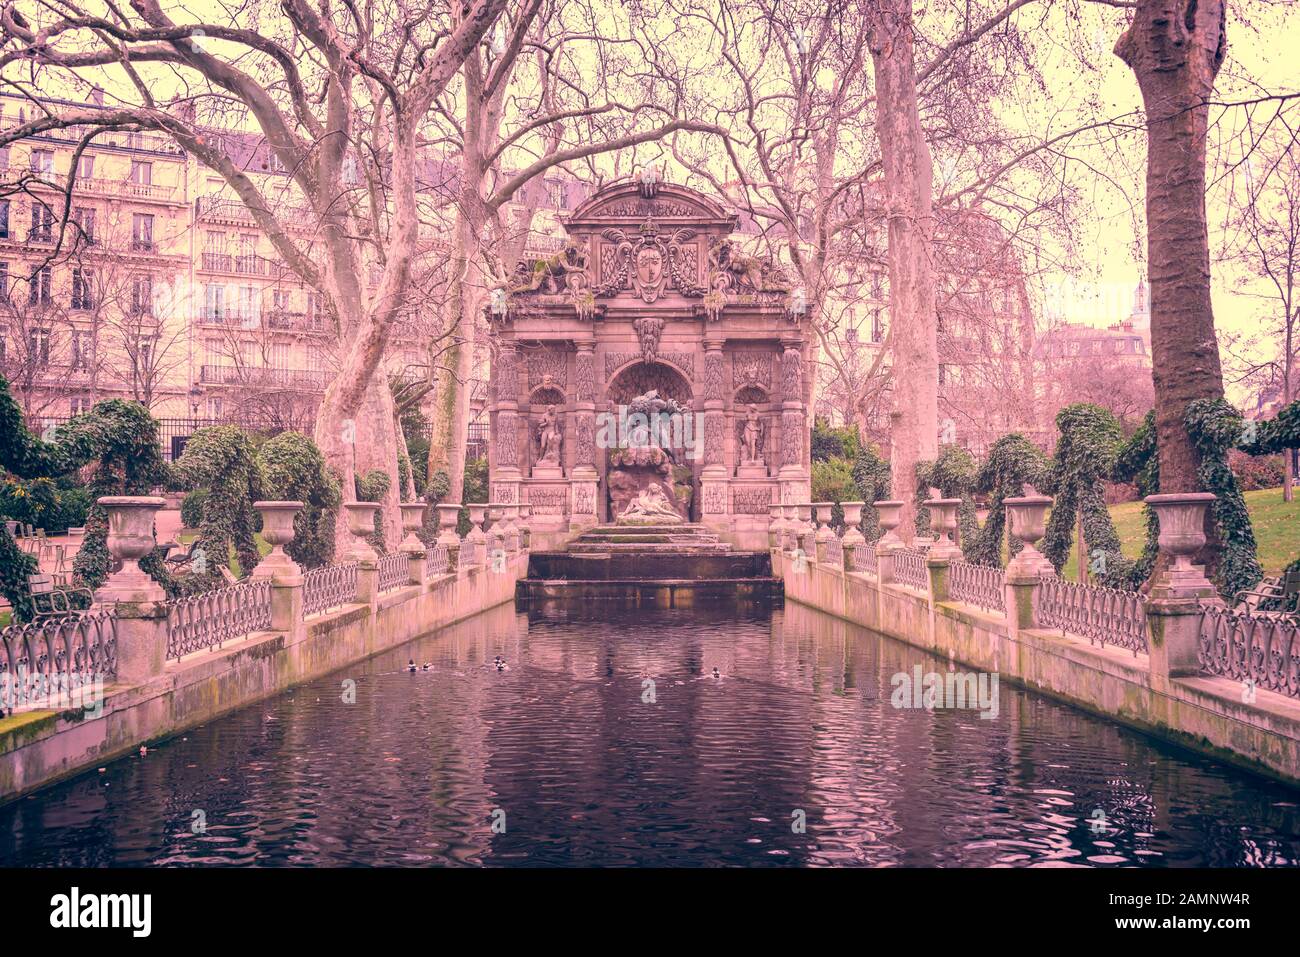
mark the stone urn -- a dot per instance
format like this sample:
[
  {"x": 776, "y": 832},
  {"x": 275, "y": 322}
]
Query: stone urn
[
  {"x": 277, "y": 529},
  {"x": 510, "y": 526},
  {"x": 475, "y": 538},
  {"x": 1182, "y": 534},
  {"x": 824, "y": 531},
  {"x": 130, "y": 538},
  {"x": 776, "y": 527},
  {"x": 852, "y": 519},
  {"x": 945, "y": 520},
  {"x": 412, "y": 522},
  {"x": 890, "y": 512},
  {"x": 790, "y": 530},
  {"x": 1027, "y": 519},
  {"x": 361, "y": 523},
  {"x": 448, "y": 516}
]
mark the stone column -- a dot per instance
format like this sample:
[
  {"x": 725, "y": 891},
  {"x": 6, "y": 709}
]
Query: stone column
[
  {"x": 284, "y": 573},
  {"x": 416, "y": 554},
  {"x": 714, "y": 484},
  {"x": 794, "y": 471},
  {"x": 136, "y": 600},
  {"x": 361, "y": 523},
  {"x": 1026, "y": 517},
  {"x": 1173, "y": 606},
  {"x": 584, "y": 477},
  {"x": 506, "y": 455}
]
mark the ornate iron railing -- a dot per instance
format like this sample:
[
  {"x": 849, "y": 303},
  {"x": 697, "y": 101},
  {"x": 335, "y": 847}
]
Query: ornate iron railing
[
  {"x": 864, "y": 559},
  {"x": 394, "y": 571},
  {"x": 834, "y": 551},
  {"x": 977, "y": 585},
  {"x": 465, "y": 557},
  {"x": 206, "y": 621},
  {"x": 438, "y": 560},
  {"x": 330, "y": 586},
  {"x": 1104, "y": 616},
  {"x": 1261, "y": 649},
  {"x": 50, "y": 655},
  {"x": 910, "y": 570}
]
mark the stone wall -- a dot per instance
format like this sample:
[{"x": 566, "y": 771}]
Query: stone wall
[
  {"x": 40, "y": 747},
  {"x": 1206, "y": 714}
]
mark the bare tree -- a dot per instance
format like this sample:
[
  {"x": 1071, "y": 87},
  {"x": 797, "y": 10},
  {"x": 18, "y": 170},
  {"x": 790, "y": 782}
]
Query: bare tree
[
  {"x": 1266, "y": 240},
  {"x": 341, "y": 94}
]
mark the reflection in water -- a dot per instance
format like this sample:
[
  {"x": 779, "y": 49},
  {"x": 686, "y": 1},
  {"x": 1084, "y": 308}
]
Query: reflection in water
[{"x": 587, "y": 770}]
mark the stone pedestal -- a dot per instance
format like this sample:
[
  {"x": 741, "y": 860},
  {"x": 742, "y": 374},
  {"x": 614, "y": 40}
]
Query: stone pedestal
[
  {"x": 751, "y": 470},
  {"x": 549, "y": 472},
  {"x": 284, "y": 573},
  {"x": 1177, "y": 592},
  {"x": 137, "y": 601}
]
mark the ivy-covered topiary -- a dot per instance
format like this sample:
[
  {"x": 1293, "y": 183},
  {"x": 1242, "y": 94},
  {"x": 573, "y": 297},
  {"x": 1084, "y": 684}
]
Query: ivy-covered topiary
[
  {"x": 871, "y": 475},
  {"x": 294, "y": 469},
  {"x": 953, "y": 474},
  {"x": 1215, "y": 427},
  {"x": 1085, "y": 458},
  {"x": 372, "y": 487},
  {"x": 222, "y": 459},
  {"x": 192, "y": 508},
  {"x": 1013, "y": 462}
]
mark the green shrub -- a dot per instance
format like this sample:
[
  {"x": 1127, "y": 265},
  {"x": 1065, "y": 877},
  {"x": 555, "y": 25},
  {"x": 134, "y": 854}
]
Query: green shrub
[
  {"x": 192, "y": 508},
  {"x": 294, "y": 469}
]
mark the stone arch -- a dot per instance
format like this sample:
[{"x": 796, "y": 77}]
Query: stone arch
[
  {"x": 547, "y": 395},
  {"x": 639, "y": 377},
  {"x": 751, "y": 394}
]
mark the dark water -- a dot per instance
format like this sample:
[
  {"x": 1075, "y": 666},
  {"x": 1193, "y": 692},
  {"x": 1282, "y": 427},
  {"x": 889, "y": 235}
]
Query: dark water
[{"x": 562, "y": 749}]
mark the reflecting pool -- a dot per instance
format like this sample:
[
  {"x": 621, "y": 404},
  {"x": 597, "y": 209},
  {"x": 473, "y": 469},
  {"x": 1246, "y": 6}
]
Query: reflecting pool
[{"x": 606, "y": 739}]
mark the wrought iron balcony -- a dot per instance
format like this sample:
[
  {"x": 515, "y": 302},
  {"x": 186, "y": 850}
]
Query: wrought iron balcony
[{"x": 307, "y": 379}]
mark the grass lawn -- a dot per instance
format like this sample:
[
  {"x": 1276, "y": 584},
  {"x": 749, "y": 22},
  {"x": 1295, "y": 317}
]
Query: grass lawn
[
  {"x": 1276, "y": 524},
  {"x": 187, "y": 535}
]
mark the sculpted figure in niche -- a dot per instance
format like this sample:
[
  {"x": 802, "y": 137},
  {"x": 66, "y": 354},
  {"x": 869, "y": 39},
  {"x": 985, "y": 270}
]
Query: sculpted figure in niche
[
  {"x": 751, "y": 436},
  {"x": 549, "y": 438}
]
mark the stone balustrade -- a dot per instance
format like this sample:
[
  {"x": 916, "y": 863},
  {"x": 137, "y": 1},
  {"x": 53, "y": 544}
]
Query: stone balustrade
[{"x": 1179, "y": 627}]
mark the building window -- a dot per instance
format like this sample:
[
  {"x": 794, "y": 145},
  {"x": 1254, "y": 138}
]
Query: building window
[
  {"x": 4, "y": 281},
  {"x": 142, "y": 296},
  {"x": 83, "y": 281},
  {"x": 214, "y": 407},
  {"x": 4, "y": 219},
  {"x": 42, "y": 223},
  {"x": 249, "y": 303},
  {"x": 38, "y": 345},
  {"x": 214, "y": 302},
  {"x": 41, "y": 285},
  {"x": 141, "y": 173},
  {"x": 86, "y": 167},
  {"x": 314, "y": 314},
  {"x": 84, "y": 217},
  {"x": 142, "y": 232},
  {"x": 877, "y": 325},
  {"x": 42, "y": 161},
  {"x": 78, "y": 404}
]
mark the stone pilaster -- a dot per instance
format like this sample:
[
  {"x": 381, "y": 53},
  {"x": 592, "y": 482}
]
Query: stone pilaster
[
  {"x": 714, "y": 486},
  {"x": 794, "y": 472},
  {"x": 506, "y": 454},
  {"x": 583, "y": 478}
]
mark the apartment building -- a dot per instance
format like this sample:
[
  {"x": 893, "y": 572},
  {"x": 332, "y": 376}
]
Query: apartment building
[{"x": 163, "y": 289}]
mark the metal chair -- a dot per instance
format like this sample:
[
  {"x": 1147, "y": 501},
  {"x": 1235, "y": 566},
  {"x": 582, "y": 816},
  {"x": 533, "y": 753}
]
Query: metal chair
[
  {"x": 50, "y": 600},
  {"x": 1272, "y": 596}
]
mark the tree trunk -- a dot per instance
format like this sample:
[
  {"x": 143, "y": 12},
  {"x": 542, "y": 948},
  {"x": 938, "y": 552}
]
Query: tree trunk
[
  {"x": 905, "y": 157},
  {"x": 1175, "y": 48},
  {"x": 450, "y": 429}
]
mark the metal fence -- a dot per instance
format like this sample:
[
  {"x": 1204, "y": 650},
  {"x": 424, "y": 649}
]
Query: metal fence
[
  {"x": 59, "y": 652},
  {"x": 1104, "y": 616},
  {"x": 909, "y": 569},
  {"x": 438, "y": 560},
  {"x": 206, "y": 621},
  {"x": 834, "y": 551},
  {"x": 330, "y": 586},
  {"x": 394, "y": 571},
  {"x": 977, "y": 585},
  {"x": 864, "y": 559},
  {"x": 1261, "y": 649}
]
